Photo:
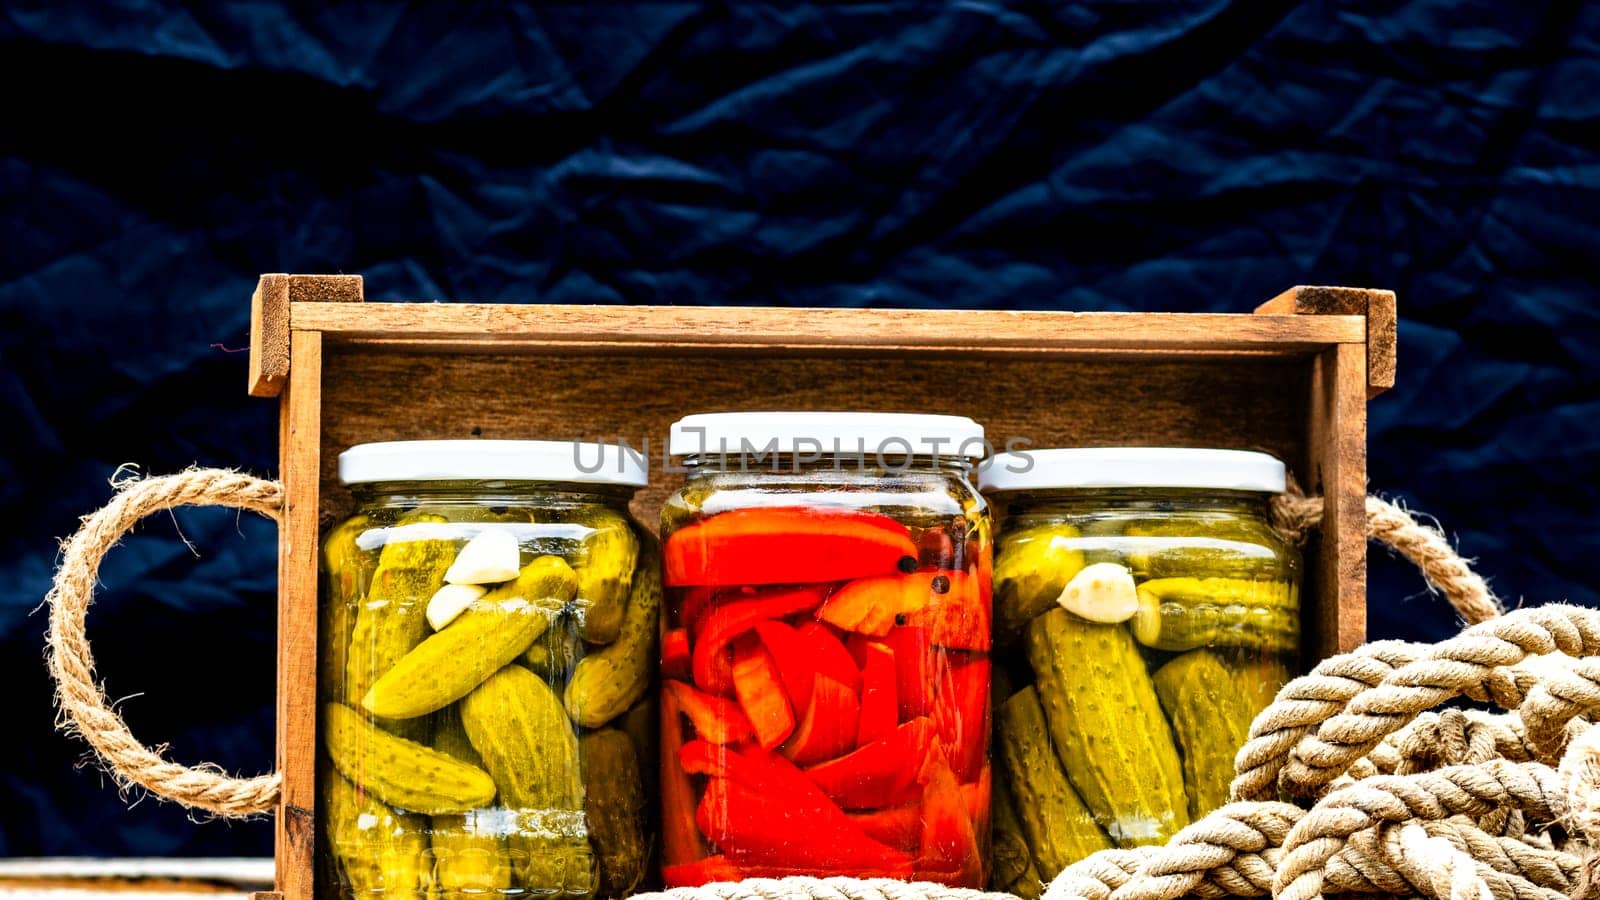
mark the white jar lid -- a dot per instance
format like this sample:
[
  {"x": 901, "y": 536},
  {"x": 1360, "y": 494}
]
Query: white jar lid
[
  {"x": 872, "y": 433},
  {"x": 1144, "y": 467},
  {"x": 574, "y": 462}
]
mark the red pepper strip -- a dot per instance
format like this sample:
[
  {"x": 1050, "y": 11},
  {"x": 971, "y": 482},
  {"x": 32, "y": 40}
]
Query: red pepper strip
[
  {"x": 949, "y": 851},
  {"x": 961, "y": 716},
  {"x": 713, "y": 661},
  {"x": 701, "y": 757},
  {"x": 976, "y": 795},
  {"x": 879, "y": 774},
  {"x": 828, "y": 728},
  {"x": 675, "y": 661},
  {"x": 696, "y": 600},
  {"x": 788, "y": 822},
  {"x": 705, "y": 871},
  {"x": 803, "y": 654},
  {"x": 680, "y": 839},
  {"x": 880, "y": 703},
  {"x": 784, "y": 545},
  {"x": 936, "y": 549},
  {"x": 899, "y": 826},
  {"x": 715, "y": 719},
  {"x": 959, "y": 618},
  {"x": 870, "y": 605},
  {"x": 756, "y": 681},
  {"x": 918, "y": 668}
]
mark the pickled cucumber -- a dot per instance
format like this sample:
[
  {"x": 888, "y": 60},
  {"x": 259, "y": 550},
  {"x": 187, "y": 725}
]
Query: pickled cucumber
[
  {"x": 1013, "y": 870},
  {"x": 470, "y": 852},
  {"x": 1258, "y": 678},
  {"x": 346, "y": 571},
  {"x": 1216, "y": 546},
  {"x": 1211, "y": 721},
  {"x": 1177, "y": 614},
  {"x": 401, "y": 773},
  {"x": 518, "y": 726},
  {"x": 608, "y": 681},
  {"x": 605, "y": 572},
  {"x": 498, "y": 628},
  {"x": 1030, "y": 572},
  {"x": 1059, "y": 827},
  {"x": 393, "y": 618},
  {"x": 1107, "y": 726},
  {"x": 380, "y": 851},
  {"x": 554, "y": 654},
  {"x": 615, "y": 808}
]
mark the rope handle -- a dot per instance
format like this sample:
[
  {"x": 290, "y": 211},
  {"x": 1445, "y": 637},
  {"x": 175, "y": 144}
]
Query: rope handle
[
  {"x": 84, "y": 709},
  {"x": 82, "y": 706}
]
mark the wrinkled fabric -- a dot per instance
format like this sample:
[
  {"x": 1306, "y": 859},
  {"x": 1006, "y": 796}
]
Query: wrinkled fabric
[{"x": 1102, "y": 156}]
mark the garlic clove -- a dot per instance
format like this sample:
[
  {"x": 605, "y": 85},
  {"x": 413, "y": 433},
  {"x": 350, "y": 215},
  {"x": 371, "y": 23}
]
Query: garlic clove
[
  {"x": 450, "y": 601},
  {"x": 1103, "y": 592},
  {"x": 489, "y": 558}
]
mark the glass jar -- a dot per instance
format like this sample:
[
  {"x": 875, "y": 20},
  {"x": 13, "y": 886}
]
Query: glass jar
[
  {"x": 826, "y": 659},
  {"x": 1156, "y": 612},
  {"x": 489, "y": 627}
]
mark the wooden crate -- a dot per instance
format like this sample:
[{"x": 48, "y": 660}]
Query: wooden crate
[{"x": 1291, "y": 379}]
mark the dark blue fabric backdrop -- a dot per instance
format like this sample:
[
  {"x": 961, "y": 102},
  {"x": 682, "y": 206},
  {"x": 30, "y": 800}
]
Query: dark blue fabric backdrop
[{"x": 1108, "y": 155}]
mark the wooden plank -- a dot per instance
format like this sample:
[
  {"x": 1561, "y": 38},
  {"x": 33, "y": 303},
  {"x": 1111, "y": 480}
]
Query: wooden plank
[
  {"x": 1337, "y": 461},
  {"x": 299, "y": 450},
  {"x": 390, "y": 393},
  {"x": 1378, "y": 306},
  {"x": 269, "y": 321},
  {"x": 269, "y": 336},
  {"x": 674, "y": 329}
]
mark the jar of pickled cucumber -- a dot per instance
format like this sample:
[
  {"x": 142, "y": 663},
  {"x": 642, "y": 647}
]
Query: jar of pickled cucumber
[
  {"x": 488, "y": 637},
  {"x": 1155, "y": 612},
  {"x": 825, "y": 663}
]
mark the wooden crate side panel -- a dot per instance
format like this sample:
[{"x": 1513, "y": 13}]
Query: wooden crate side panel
[
  {"x": 375, "y": 393},
  {"x": 299, "y": 449},
  {"x": 1336, "y": 459}
]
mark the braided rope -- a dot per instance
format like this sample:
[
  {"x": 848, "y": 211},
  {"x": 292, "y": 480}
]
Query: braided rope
[{"x": 83, "y": 708}]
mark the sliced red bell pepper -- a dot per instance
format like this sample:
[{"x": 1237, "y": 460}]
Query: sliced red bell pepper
[
  {"x": 880, "y": 697},
  {"x": 899, "y": 827},
  {"x": 949, "y": 851},
  {"x": 789, "y": 824},
  {"x": 961, "y": 617},
  {"x": 693, "y": 601},
  {"x": 936, "y": 548},
  {"x": 801, "y": 656},
  {"x": 705, "y": 871},
  {"x": 784, "y": 545},
  {"x": 878, "y": 774},
  {"x": 715, "y": 719},
  {"x": 833, "y": 659},
  {"x": 680, "y": 838},
  {"x": 918, "y": 667},
  {"x": 760, "y": 691},
  {"x": 976, "y": 796},
  {"x": 961, "y": 716},
  {"x": 828, "y": 728},
  {"x": 948, "y": 603},
  {"x": 702, "y": 757},
  {"x": 675, "y": 660},
  {"x": 713, "y": 658}
]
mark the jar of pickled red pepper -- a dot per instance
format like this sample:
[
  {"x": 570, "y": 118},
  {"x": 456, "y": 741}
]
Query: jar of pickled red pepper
[
  {"x": 825, "y": 659},
  {"x": 488, "y": 637},
  {"x": 1155, "y": 612}
]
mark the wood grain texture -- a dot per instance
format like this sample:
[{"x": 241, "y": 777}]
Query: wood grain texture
[
  {"x": 384, "y": 393},
  {"x": 269, "y": 321},
  {"x": 1378, "y": 306},
  {"x": 1336, "y": 457},
  {"x": 299, "y": 449},
  {"x": 269, "y": 336},
  {"x": 666, "y": 330}
]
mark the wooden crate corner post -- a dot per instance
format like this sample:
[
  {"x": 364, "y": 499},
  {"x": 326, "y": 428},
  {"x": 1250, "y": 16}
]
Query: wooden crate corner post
[{"x": 287, "y": 364}]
